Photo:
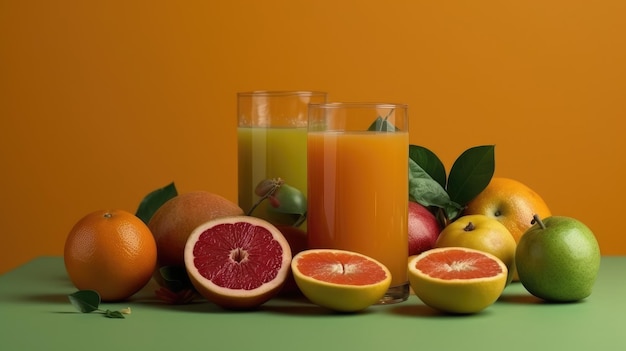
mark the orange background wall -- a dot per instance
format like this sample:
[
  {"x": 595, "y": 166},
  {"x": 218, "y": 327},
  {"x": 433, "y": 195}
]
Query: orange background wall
[{"x": 104, "y": 101}]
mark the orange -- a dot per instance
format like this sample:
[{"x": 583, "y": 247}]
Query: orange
[
  {"x": 340, "y": 280},
  {"x": 456, "y": 279},
  {"x": 510, "y": 202},
  {"x": 174, "y": 221},
  {"x": 112, "y": 252},
  {"x": 237, "y": 262},
  {"x": 482, "y": 233}
]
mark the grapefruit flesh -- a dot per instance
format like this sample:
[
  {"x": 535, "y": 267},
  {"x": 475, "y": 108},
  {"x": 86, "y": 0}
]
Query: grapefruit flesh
[
  {"x": 457, "y": 280},
  {"x": 237, "y": 262},
  {"x": 340, "y": 280}
]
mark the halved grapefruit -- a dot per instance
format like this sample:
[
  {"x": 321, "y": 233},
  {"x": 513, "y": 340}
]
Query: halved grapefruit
[
  {"x": 340, "y": 280},
  {"x": 237, "y": 262},
  {"x": 456, "y": 279}
]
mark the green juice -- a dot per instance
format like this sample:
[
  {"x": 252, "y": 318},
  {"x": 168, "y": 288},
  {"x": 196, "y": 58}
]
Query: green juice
[{"x": 265, "y": 153}]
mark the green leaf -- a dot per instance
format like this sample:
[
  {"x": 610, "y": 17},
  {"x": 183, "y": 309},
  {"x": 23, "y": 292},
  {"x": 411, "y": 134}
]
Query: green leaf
[
  {"x": 424, "y": 189},
  {"x": 382, "y": 125},
  {"x": 175, "y": 278},
  {"x": 85, "y": 300},
  {"x": 113, "y": 314},
  {"x": 470, "y": 173},
  {"x": 376, "y": 125},
  {"x": 452, "y": 210},
  {"x": 428, "y": 192},
  {"x": 429, "y": 162},
  {"x": 151, "y": 203}
]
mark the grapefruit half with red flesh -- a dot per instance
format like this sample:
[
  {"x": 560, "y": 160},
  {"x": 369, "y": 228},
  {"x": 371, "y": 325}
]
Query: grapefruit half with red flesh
[
  {"x": 457, "y": 279},
  {"x": 340, "y": 280},
  {"x": 237, "y": 262}
]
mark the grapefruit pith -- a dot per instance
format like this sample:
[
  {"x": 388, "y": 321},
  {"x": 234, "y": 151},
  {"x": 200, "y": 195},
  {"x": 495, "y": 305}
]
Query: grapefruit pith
[
  {"x": 237, "y": 262},
  {"x": 457, "y": 279},
  {"x": 340, "y": 280}
]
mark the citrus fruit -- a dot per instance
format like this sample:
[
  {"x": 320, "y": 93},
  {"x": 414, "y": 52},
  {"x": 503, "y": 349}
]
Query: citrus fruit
[
  {"x": 237, "y": 262},
  {"x": 510, "y": 202},
  {"x": 457, "y": 280},
  {"x": 340, "y": 280},
  {"x": 482, "y": 233},
  {"x": 174, "y": 221},
  {"x": 112, "y": 252}
]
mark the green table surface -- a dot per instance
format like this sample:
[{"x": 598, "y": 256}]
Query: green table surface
[{"x": 35, "y": 314}]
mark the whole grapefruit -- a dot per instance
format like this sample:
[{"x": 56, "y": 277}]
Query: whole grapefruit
[{"x": 174, "y": 221}]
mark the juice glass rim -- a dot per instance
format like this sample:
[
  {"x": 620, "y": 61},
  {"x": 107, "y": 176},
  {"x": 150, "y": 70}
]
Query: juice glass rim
[
  {"x": 281, "y": 93},
  {"x": 339, "y": 105}
]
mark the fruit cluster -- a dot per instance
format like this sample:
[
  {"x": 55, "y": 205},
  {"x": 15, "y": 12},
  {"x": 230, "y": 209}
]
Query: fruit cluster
[
  {"x": 555, "y": 258},
  {"x": 200, "y": 243}
]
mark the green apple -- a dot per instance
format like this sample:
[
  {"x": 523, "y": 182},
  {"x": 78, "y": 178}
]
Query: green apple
[{"x": 558, "y": 259}]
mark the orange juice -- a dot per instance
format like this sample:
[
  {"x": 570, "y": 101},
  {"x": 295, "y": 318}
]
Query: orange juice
[{"x": 358, "y": 195}]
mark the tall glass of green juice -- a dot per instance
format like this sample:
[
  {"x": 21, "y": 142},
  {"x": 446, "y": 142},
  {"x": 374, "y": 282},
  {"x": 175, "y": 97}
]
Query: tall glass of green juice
[{"x": 272, "y": 154}]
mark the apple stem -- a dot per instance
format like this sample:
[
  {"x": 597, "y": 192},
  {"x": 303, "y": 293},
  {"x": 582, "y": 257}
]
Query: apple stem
[
  {"x": 536, "y": 219},
  {"x": 469, "y": 227}
]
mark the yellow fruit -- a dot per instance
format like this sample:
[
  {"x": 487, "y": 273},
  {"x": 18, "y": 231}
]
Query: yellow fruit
[
  {"x": 340, "y": 280},
  {"x": 482, "y": 233},
  {"x": 456, "y": 279},
  {"x": 510, "y": 202},
  {"x": 112, "y": 252}
]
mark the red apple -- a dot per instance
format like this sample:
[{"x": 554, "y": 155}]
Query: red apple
[
  {"x": 424, "y": 228},
  {"x": 297, "y": 239}
]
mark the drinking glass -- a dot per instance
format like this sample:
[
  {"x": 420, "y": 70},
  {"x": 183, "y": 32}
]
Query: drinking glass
[
  {"x": 358, "y": 184},
  {"x": 272, "y": 132}
]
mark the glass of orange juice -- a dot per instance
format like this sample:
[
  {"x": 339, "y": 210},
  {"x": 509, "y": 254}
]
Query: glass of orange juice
[
  {"x": 358, "y": 184},
  {"x": 272, "y": 141}
]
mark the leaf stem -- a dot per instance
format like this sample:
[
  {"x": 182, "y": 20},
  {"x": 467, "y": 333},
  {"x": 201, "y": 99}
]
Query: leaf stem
[{"x": 272, "y": 186}]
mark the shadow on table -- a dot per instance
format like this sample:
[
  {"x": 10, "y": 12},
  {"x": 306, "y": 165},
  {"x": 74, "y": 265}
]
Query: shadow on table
[{"x": 520, "y": 299}]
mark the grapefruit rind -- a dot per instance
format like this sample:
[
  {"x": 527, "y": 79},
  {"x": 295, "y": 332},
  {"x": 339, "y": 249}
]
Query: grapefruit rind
[
  {"x": 237, "y": 299},
  {"x": 457, "y": 296},
  {"x": 336, "y": 296}
]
